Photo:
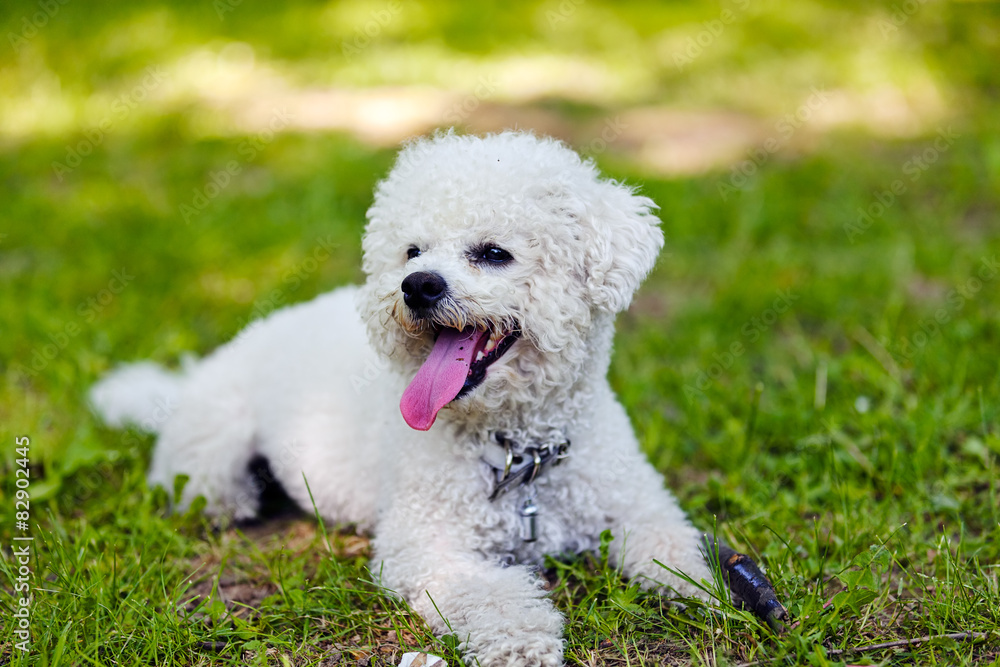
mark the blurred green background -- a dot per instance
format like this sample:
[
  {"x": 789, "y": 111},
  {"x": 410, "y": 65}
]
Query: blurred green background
[{"x": 829, "y": 177}]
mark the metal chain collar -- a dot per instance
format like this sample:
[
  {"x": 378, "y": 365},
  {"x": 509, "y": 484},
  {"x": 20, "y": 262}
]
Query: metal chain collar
[{"x": 521, "y": 466}]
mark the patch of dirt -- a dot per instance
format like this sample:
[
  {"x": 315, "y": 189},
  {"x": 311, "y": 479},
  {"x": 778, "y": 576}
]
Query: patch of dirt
[
  {"x": 243, "y": 585},
  {"x": 612, "y": 654},
  {"x": 241, "y": 597}
]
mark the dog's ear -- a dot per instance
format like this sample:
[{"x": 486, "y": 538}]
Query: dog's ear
[{"x": 625, "y": 242}]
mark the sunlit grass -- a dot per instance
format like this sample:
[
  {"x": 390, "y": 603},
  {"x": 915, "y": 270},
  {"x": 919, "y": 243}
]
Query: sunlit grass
[{"x": 763, "y": 59}]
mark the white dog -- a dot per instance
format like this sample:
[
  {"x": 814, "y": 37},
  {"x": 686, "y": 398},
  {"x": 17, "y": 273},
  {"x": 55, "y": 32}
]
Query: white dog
[{"x": 495, "y": 267}]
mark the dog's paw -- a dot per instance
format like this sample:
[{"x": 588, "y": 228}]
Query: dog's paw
[
  {"x": 676, "y": 583},
  {"x": 520, "y": 650},
  {"x": 682, "y": 587},
  {"x": 502, "y": 619}
]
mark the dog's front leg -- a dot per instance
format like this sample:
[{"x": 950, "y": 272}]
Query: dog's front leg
[
  {"x": 499, "y": 614},
  {"x": 650, "y": 529},
  {"x": 610, "y": 472}
]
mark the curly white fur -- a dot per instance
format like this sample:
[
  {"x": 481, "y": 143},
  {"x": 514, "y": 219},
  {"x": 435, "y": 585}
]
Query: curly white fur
[{"x": 314, "y": 388}]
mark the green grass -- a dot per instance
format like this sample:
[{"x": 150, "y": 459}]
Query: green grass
[{"x": 825, "y": 395}]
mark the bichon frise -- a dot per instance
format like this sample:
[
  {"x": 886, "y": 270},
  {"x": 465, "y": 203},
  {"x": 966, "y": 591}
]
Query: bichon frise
[{"x": 495, "y": 266}]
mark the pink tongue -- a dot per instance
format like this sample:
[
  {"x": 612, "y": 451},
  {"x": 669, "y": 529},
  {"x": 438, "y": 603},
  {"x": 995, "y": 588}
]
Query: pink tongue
[{"x": 441, "y": 377}]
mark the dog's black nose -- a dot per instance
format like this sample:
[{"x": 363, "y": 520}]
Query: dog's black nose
[{"x": 423, "y": 289}]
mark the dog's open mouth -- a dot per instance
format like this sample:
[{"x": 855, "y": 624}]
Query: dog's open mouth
[{"x": 456, "y": 365}]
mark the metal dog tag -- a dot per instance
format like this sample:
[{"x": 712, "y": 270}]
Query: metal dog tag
[{"x": 529, "y": 521}]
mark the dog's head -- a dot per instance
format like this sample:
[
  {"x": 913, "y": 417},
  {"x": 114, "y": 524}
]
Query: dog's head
[{"x": 491, "y": 263}]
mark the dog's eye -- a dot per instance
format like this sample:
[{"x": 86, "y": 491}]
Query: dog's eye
[
  {"x": 493, "y": 254},
  {"x": 412, "y": 251}
]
